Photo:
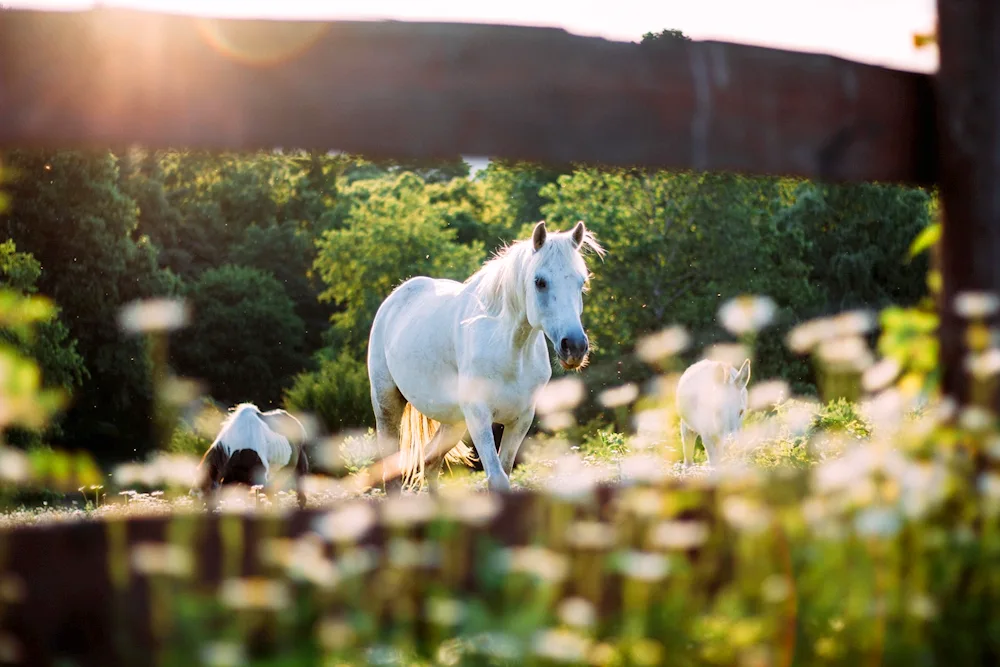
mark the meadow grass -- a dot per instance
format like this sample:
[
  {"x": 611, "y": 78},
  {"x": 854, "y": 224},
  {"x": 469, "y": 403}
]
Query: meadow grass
[{"x": 600, "y": 450}]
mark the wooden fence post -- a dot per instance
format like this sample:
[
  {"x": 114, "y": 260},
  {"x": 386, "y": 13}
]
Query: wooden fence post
[{"x": 968, "y": 104}]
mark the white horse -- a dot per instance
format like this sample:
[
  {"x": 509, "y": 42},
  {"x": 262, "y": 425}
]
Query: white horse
[
  {"x": 446, "y": 359},
  {"x": 711, "y": 399},
  {"x": 250, "y": 443}
]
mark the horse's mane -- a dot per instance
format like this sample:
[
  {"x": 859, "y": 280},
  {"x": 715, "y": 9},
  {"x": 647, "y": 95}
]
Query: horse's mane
[{"x": 499, "y": 284}]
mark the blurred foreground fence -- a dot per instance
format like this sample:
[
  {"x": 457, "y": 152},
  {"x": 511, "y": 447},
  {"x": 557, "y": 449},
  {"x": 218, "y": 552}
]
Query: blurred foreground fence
[
  {"x": 114, "y": 77},
  {"x": 77, "y": 591}
]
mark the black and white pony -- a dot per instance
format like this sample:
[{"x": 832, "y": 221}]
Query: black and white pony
[{"x": 250, "y": 445}]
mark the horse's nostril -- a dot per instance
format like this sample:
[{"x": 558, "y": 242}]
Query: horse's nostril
[{"x": 564, "y": 345}]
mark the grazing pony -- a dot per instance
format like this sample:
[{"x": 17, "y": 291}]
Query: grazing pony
[
  {"x": 711, "y": 399},
  {"x": 249, "y": 444},
  {"x": 446, "y": 359}
]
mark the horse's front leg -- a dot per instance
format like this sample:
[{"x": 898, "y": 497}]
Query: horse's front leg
[
  {"x": 479, "y": 421},
  {"x": 513, "y": 436}
]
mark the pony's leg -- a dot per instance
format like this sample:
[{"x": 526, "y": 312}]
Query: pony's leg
[
  {"x": 301, "y": 470},
  {"x": 688, "y": 440},
  {"x": 479, "y": 420},
  {"x": 711, "y": 449},
  {"x": 513, "y": 436}
]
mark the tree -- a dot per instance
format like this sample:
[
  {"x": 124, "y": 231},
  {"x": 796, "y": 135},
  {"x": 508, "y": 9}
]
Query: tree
[
  {"x": 476, "y": 211},
  {"x": 217, "y": 197},
  {"x": 50, "y": 344},
  {"x": 858, "y": 241},
  {"x": 679, "y": 245},
  {"x": 68, "y": 211},
  {"x": 668, "y": 36},
  {"x": 337, "y": 393},
  {"x": 392, "y": 233},
  {"x": 287, "y": 254},
  {"x": 519, "y": 186},
  {"x": 429, "y": 171},
  {"x": 245, "y": 339}
]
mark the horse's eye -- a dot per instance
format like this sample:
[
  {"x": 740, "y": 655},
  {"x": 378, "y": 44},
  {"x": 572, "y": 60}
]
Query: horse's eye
[{"x": 540, "y": 283}]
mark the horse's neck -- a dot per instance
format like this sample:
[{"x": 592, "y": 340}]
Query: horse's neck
[
  {"x": 512, "y": 328},
  {"x": 523, "y": 336}
]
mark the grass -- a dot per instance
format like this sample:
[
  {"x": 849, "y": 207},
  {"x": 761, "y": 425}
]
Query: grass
[{"x": 541, "y": 464}]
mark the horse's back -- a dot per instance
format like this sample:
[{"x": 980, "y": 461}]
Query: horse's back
[
  {"x": 417, "y": 297},
  {"x": 412, "y": 344}
]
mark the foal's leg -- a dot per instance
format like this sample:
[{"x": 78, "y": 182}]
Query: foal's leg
[
  {"x": 480, "y": 423},
  {"x": 513, "y": 436},
  {"x": 711, "y": 449},
  {"x": 688, "y": 439}
]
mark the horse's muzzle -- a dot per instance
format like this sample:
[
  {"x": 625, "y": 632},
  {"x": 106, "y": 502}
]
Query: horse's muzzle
[{"x": 572, "y": 351}]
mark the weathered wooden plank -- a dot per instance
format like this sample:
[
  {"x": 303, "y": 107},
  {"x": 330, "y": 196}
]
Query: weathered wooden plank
[
  {"x": 70, "y": 609},
  {"x": 409, "y": 90},
  {"x": 968, "y": 98}
]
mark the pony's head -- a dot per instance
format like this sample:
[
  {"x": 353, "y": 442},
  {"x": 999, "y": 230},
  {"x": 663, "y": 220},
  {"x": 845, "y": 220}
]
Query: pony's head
[
  {"x": 735, "y": 388},
  {"x": 210, "y": 469},
  {"x": 244, "y": 467},
  {"x": 555, "y": 280}
]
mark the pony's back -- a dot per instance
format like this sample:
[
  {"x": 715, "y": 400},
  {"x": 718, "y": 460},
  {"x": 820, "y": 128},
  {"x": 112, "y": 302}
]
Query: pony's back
[
  {"x": 247, "y": 428},
  {"x": 284, "y": 423}
]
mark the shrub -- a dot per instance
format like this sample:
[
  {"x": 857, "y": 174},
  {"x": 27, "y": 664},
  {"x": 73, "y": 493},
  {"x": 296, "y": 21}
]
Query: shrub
[
  {"x": 337, "y": 394},
  {"x": 185, "y": 441}
]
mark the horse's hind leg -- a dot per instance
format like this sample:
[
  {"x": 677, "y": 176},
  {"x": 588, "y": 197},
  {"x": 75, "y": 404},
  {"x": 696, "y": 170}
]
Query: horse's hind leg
[
  {"x": 388, "y": 404},
  {"x": 432, "y": 471}
]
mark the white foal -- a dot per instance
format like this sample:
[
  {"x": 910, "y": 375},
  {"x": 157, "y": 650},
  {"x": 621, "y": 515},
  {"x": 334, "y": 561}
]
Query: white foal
[{"x": 711, "y": 399}]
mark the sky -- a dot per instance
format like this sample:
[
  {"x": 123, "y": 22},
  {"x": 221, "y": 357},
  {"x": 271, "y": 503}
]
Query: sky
[{"x": 873, "y": 31}]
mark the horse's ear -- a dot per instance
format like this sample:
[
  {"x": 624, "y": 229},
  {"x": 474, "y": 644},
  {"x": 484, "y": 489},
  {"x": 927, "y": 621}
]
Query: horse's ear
[
  {"x": 723, "y": 373},
  {"x": 743, "y": 377},
  {"x": 538, "y": 236},
  {"x": 578, "y": 233}
]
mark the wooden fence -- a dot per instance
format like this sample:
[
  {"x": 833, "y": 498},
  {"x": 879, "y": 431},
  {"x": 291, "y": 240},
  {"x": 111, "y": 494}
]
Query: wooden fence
[{"x": 112, "y": 78}]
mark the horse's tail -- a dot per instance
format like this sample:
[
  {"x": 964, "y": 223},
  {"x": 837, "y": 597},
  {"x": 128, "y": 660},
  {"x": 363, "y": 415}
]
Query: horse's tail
[{"x": 415, "y": 433}]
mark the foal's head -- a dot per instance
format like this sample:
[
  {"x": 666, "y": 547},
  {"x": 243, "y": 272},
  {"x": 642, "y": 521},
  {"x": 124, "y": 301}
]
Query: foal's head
[{"x": 556, "y": 280}]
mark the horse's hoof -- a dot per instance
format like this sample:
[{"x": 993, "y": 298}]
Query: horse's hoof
[{"x": 499, "y": 485}]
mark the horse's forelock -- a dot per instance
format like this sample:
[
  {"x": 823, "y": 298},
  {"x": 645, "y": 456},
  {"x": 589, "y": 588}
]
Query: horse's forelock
[{"x": 501, "y": 280}]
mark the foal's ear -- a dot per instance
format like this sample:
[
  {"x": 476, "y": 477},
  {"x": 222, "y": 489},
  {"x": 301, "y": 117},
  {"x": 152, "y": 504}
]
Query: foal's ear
[
  {"x": 578, "y": 233},
  {"x": 743, "y": 377},
  {"x": 538, "y": 236}
]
